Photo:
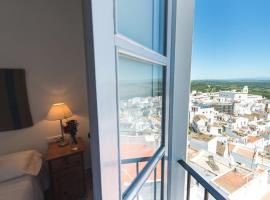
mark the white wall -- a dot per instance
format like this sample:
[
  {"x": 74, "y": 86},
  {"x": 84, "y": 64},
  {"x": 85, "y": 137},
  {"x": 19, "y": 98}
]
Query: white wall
[
  {"x": 209, "y": 146},
  {"x": 45, "y": 37}
]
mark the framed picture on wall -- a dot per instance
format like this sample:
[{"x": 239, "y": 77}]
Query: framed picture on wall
[{"x": 14, "y": 106}]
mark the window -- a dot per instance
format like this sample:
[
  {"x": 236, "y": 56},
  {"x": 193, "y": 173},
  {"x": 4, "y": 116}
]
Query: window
[
  {"x": 144, "y": 22},
  {"x": 133, "y": 60},
  {"x": 141, "y": 96},
  {"x": 141, "y": 83}
]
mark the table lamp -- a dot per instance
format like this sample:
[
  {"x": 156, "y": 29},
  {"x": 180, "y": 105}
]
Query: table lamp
[{"x": 59, "y": 111}]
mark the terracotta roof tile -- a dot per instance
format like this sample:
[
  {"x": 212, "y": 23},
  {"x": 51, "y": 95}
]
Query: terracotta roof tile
[
  {"x": 245, "y": 152},
  {"x": 231, "y": 147},
  {"x": 233, "y": 180},
  {"x": 252, "y": 139},
  {"x": 266, "y": 196}
]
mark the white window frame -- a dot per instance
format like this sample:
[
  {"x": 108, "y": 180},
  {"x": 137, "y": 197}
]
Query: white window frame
[
  {"x": 102, "y": 47},
  {"x": 183, "y": 15}
]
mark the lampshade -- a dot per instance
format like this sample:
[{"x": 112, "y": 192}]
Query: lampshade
[{"x": 59, "y": 111}]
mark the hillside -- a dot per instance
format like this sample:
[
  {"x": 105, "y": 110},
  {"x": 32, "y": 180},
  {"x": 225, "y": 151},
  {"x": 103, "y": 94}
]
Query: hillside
[{"x": 258, "y": 87}]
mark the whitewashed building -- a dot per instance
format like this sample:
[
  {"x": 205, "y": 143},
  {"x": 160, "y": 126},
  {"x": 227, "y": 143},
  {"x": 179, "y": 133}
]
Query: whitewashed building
[
  {"x": 199, "y": 123},
  {"x": 207, "y": 143}
]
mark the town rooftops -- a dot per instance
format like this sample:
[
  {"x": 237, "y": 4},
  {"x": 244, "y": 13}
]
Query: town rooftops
[
  {"x": 215, "y": 124},
  {"x": 266, "y": 196},
  {"x": 222, "y": 146},
  {"x": 267, "y": 148},
  {"x": 245, "y": 152},
  {"x": 212, "y": 163},
  {"x": 252, "y": 139},
  {"x": 205, "y": 106},
  {"x": 197, "y": 118},
  {"x": 252, "y": 116},
  {"x": 235, "y": 119},
  {"x": 231, "y": 147},
  {"x": 240, "y": 132},
  {"x": 191, "y": 153},
  {"x": 201, "y": 137},
  {"x": 233, "y": 180}
]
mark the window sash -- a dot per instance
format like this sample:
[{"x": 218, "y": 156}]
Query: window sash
[
  {"x": 131, "y": 48},
  {"x": 128, "y": 47},
  {"x": 131, "y": 192}
]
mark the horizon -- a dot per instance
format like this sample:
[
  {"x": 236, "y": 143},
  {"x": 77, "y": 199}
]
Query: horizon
[
  {"x": 234, "y": 79},
  {"x": 231, "y": 40}
]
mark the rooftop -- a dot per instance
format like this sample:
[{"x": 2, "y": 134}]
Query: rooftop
[
  {"x": 209, "y": 162},
  {"x": 231, "y": 147},
  {"x": 244, "y": 152},
  {"x": 199, "y": 117},
  {"x": 267, "y": 148},
  {"x": 201, "y": 137},
  {"x": 215, "y": 124},
  {"x": 252, "y": 139},
  {"x": 233, "y": 180},
  {"x": 266, "y": 196},
  {"x": 191, "y": 153},
  {"x": 252, "y": 116}
]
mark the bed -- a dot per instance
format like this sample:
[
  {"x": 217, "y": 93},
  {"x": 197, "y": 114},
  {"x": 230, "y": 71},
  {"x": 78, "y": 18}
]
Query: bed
[{"x": 22, "y": 176}]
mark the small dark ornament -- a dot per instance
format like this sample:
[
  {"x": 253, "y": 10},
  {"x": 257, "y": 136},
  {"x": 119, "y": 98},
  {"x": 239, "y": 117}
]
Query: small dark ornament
[{"x": 71, "y": 128}]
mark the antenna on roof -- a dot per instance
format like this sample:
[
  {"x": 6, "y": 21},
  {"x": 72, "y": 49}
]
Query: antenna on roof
[
  {"x": 229, "y": 153},
  {"x": 253, "y": 157}
]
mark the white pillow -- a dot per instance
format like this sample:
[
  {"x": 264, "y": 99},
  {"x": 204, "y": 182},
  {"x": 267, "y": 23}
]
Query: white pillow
[{"x": 20, "y": 163}]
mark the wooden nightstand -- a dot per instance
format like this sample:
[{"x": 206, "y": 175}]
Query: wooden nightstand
[{"x": 66, "y": 167}]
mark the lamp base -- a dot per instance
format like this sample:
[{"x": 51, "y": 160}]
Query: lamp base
[{"x": 63, "y": 143}]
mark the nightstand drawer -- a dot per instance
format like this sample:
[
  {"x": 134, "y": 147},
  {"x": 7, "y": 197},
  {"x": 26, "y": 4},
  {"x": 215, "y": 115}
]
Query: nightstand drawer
[
  {"x": 69, "y": 184},
  {"x": 66, "y": 162}
]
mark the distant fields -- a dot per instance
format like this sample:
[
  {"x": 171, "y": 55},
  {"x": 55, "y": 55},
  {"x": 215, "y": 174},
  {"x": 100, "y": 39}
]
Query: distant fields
[{"x": 258, "y": 87}]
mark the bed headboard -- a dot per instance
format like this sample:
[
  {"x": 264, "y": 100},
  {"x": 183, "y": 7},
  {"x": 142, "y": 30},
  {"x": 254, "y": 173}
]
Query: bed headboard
[{"x": 14, "y": 107}]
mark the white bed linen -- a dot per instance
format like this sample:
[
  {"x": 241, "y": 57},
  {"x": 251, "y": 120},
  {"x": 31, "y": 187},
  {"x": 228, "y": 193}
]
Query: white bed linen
[
  {"x": 26, "y": 187},
  {"x": 19, "y": 164}
]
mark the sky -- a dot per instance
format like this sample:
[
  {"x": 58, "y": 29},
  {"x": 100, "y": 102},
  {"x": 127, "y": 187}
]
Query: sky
[{"x": 231, "y": 39}]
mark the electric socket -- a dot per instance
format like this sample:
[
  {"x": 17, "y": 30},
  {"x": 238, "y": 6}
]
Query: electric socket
[{"x": 53, "y": 139}]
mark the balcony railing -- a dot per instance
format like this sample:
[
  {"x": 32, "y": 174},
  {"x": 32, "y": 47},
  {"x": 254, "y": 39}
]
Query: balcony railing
[
  {"x": 207, "y": 187},
  {"x": 135, "y": 161},
  {"x": 141, "y": 178}
]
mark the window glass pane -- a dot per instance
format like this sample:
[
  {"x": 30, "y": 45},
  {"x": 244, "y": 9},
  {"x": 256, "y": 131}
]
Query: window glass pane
[
  {"x": 140, "y": 90},
  {"x": 143, "y": 21},
  {"x": 151, "y": 189}
]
